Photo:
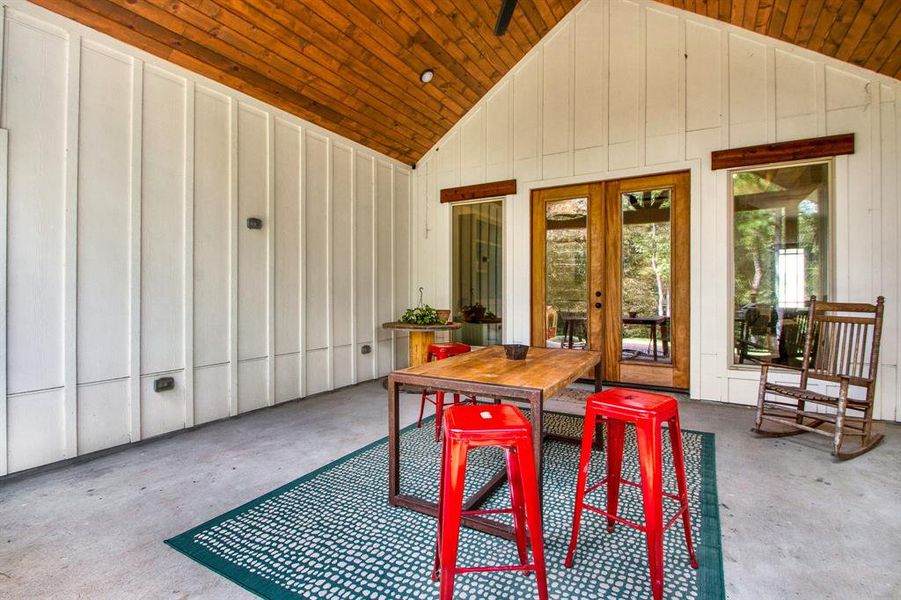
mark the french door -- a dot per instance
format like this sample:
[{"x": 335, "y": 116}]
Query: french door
[{"x": 610, "y": 272}]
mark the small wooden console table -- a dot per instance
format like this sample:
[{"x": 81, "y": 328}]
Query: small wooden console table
[{"x": 421, "y": 337}]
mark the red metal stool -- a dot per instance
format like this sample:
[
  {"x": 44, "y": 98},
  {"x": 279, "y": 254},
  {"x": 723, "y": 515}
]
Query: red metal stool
[
  {"x": 648, "y": 412},
  {"x": 467, "y": 427},
  {"x": 440, "y": 351}
]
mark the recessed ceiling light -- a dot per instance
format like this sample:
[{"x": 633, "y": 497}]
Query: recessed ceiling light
[{"x": 426, "y": 76}]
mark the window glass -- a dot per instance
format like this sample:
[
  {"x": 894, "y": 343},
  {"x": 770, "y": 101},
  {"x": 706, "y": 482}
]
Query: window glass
[
  {"x": 566, "y": 275},
  {"x": 780, "y": 253},
  {"x": 478, "y": 272}
]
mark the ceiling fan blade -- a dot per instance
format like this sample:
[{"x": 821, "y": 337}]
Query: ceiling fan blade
[{"x": 503, "y": 16}]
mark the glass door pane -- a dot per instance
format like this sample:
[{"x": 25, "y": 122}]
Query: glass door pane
[
  {"x": 566, "y": 273},
  {"x": 646, "y": 281}
]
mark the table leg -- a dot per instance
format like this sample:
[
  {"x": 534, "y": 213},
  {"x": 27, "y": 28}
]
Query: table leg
[
  {"x": 654, "y": 339},
  {"x": 598, "y": 426},
  {"x": 393, "y": 441},
  {"x": 419, "y": 346},
  {"x": 535, "y": 406},
  {"x": 664, "y": 333}
]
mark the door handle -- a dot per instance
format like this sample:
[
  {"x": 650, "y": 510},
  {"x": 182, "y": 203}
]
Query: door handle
[{"x": 598, "y": 305}]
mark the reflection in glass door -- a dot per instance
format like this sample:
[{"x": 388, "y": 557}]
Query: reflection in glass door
[
  {"x": 646, "y": 290},
  {"x": 566, "y": 273}
]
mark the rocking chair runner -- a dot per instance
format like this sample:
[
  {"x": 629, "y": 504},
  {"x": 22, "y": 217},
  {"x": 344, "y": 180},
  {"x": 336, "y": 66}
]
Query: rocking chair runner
[{"x": 841, "y": 346}]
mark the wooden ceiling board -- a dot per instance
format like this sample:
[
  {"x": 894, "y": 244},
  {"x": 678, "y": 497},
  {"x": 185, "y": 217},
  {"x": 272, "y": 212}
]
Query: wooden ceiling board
[{"x": 352, "y": 66}]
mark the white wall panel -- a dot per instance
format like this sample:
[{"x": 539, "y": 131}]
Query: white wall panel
[
  {"x": 316, "y": 371},
  {"x": 35, "y": 425},
  {"x": 343, "y": 369},
  {"x": 527, "y": 117},
  {"x": 104, "y": 215},
  {"x": 625, "y": 79},
  {"x": 210, "y": 393},
  {"x": 498, "y": 133},
  {"x": 287, "y": 377},
  {"x": 473, "y": 147},
  {"x": 103, "y": 416},
  {"x": 402, "y": 284},
  {"x": 384, "y": 248},
  {"x": 796, "y": 96},
  {"x": 287, "y": 237},
  {"x": 211, "y": 227},
  {"x": 365, "y": 364},
  {"x": 703, "y": 76},
  {"x": 253, "y": 244},
  {"x": 342, "y": 248},
  {"x": 556, "y": 104},
  {"x": 253, "y": 383},
  {"x": 34, "y": 110},
  {"x": 162, "y": 412},
  {"x": 162, "y": 223},
  {"x": 663, "y": 81},
  {"x": 364, "y": 240},
  {"x": 747, "y": 91},
  {"x": 316, "y": 240},
  {"x": 589, "y": 99}
]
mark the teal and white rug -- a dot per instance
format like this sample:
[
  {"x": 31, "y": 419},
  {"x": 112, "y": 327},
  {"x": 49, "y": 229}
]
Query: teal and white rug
[{"x": 332, "y": 534}]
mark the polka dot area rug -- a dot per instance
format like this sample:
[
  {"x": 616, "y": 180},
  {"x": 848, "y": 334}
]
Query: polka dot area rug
[{"x": 332, "y": 533}]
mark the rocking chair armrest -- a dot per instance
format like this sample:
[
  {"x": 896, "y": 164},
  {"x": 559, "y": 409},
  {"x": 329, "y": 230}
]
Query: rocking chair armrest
[{"x": 770, "y": 363}]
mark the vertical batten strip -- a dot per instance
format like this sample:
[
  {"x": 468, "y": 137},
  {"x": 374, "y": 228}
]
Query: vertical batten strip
[
  {"x": 189, "y": 253},
  {"x": 301, "y": 276},
  {"x": 374, "y": 288},
  {"x": 137, "y": 123},
  {"x": 682, "y": 94},
  {"x": 70, "y": 293},
  {"x": 4, "y": 190},
  {"x": 642, "y": 133},
  {"x": 329, "y": 268},
  {"x": 391, "y": 253},
  {"x": 233, "y": 258},
  {"x": 771, "y": 132},
  {"x": 353, "y": 266},
  {"x": 270, "y": 256},
  {"x": 820, "y": 97},
  {"x": 4, "y": 240}
]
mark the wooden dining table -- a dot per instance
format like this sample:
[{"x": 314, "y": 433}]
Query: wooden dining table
[{"x": 488, "y": 375}]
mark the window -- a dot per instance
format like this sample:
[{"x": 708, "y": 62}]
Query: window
[
  {"x": 478, "y": 271},
  {"x": 780, "y": 257}
]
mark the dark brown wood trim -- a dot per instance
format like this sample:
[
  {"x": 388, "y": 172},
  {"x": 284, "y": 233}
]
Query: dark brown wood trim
[
  {"x": 481, "y": 190},
  {"x": 830, "y": 145}
]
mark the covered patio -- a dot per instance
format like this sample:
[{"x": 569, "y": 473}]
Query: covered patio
[{"x": 393, "y": 299}]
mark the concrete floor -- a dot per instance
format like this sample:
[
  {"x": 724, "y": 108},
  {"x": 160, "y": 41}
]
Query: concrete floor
[{"x": 795, "y": 524}]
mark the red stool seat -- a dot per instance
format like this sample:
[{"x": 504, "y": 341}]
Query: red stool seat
[
  {"x": 472, "y": 426},
  {"x": 647, "y": 412},
  {"x": 440, "y": 351}
]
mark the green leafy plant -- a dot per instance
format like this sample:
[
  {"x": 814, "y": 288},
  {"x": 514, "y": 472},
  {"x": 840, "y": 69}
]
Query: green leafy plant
[{"x": 421, "y": 315}]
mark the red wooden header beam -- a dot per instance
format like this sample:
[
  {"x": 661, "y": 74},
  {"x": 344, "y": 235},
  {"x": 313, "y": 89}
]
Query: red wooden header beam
[
  {"x": 481, "y": 190},
  {"x": 831, "y": 145}
]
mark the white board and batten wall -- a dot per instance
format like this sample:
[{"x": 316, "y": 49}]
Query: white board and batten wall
[
  {"x": 129, "y": 184},
  {"x": 629, "y": 87}
]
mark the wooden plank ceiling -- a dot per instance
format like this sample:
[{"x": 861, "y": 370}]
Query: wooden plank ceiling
[
  {"x": 352, "y": 66},
  {"x": 866, "y": 33}
]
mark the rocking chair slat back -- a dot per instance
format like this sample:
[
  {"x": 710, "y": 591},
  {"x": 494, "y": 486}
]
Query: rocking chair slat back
[{"x": 843, "y": 345}]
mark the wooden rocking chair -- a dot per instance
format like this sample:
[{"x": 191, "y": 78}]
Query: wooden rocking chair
[{"x": 841, "y": 346}]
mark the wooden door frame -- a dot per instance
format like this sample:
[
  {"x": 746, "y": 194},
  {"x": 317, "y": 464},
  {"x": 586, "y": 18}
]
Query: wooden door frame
[
  {"x": 677, "y": 374},
  {"x": 602, "y": 196},
  {"x": 537, "y": 288}
]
